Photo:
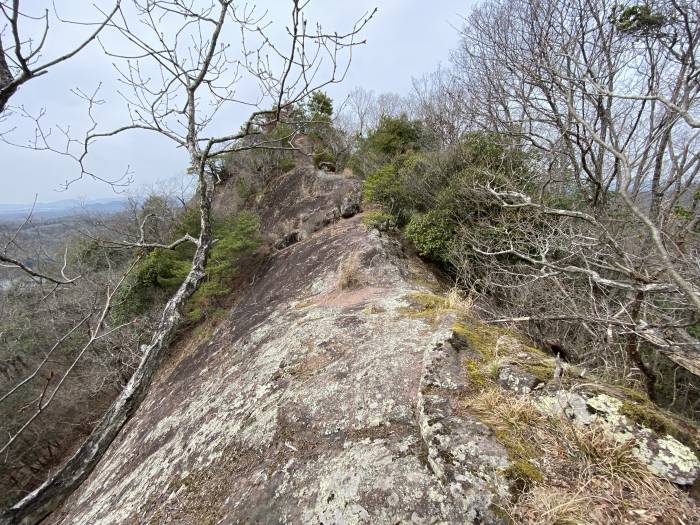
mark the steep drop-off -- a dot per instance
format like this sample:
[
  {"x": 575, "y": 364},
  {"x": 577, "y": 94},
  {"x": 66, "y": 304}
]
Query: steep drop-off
[
  {"x": 318, "y": 398},
  {"x": 335, "y": 390}
]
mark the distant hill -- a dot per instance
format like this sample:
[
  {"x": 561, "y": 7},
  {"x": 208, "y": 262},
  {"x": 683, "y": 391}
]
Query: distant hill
[{"x": 61, "y": 208}]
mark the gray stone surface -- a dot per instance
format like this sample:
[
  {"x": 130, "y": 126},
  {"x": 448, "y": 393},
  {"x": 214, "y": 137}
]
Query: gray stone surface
[
  {"x": 308, "y": 404},
  {"x": 519, "y": 381},
  {"x": 664, "y": 455}
]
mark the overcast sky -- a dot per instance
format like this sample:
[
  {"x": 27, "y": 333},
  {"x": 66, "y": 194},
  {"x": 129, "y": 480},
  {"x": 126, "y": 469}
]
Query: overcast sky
[{"x": 407, "y": 38}]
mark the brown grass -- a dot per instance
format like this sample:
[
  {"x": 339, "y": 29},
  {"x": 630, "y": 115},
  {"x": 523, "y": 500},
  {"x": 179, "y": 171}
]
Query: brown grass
[
  {"x": 570, "y": 475},
  {"x": 456, "y": 300},
  {"x": 350, "y": 273}
]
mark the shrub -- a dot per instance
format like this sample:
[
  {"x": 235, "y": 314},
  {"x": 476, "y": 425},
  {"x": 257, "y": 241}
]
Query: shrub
[
  {"x": 638, "y": 19},
  {"x": 161, "y": 271},
  {"x": 432, "y": 233},
  {"x": 236, "y": 237},
  {"x": 395, "y": 135},
  {"x": 266, "y": 158},
  {"x": 244, "y": 188},
  {"x": 319, "y": 107},
  {"x": 385, "y": 187},
  {"x": 379, "y": 220},
  {"x": 392, "y": 138},
  {"x": 433, "y": 192},
  {"x": 382, "y": 185}
]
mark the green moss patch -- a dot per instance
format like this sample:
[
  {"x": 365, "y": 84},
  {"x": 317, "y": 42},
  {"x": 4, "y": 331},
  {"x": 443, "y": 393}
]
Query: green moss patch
[
  {"x": 542, "y": 370},
  {"x": 649, "y": 415},
  {"x": 483, "y": 338},
  {"x": 523, "y": 473},
  {"x": 429, "y": 301},
  {"x": 477, "y": 379},
  {"x": 425, "y": 305}
]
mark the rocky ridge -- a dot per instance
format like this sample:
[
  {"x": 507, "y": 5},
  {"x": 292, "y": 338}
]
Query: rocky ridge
[
  {"x": 334, "y": 391},
  {"x": 311, "y": 402}
]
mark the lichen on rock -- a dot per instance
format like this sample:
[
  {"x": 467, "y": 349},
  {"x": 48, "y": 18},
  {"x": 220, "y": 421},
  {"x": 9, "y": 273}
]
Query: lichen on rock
[
  {"x": 517, "y": 380},
  {"x": 664, "y": 455},
  {"x": 310, "y": 402}
]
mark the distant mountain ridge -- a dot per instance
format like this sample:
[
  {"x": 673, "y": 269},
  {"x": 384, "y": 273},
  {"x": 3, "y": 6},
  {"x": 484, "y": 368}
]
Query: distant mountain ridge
[{"x": 62, "y": 208}]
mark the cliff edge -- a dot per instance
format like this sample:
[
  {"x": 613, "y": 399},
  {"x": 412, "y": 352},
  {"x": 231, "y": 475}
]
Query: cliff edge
[
  {"x": 342, "y": 387},
  {"x": 319, "y": 399}
]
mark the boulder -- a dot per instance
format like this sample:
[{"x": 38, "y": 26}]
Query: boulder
[
  {"x": 519, "y": 381},
  {"x": 663, "y": 454}
]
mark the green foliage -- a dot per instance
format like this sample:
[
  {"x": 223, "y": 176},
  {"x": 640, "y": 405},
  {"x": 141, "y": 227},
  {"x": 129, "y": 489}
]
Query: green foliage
[
  {"x": 682, "y": 213},
  {"x": 432, "y": 233},
  {"x": 273, "y": 153},
  {"x": 386, "y": 187},
  {"x": 157, "y": 274},
  {"x": 694, "y": 330},
  {"x": 638, "y": 18},
  {"x": 319, "y": 107},
  {"x": 244, "y": 188},
  {"x": 236, "y": 237},
  {"x": 161, "y": 271},
  {"x": 395, "y": 135},
  {"x": 312, "y": 118},
  {"x": 432, "y": 192},
  {"x": 382, "y": 185},
  {"x": 188, "y": 222},
  {"x": 392, "y": 139},
  {"x": 286, "y": 163},
  {"x": 379, "y": 220}
]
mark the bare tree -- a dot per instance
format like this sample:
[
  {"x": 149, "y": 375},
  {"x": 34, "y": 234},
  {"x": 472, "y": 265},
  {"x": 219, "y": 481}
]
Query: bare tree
[
  {"x": 196, "y": 78},
  {"x": 439, "y": 103},
  {"x": 25, "y": 41},
  {"x": 8, "y": 260},
  {"x": 604, "y": 99},
  {"x": 361, "y": 111},
  {"x": 22, "y": 54}
]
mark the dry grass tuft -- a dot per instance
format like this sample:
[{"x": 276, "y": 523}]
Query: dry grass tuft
[
  {"x": 500, "y": 409},
  {"x": 350, "y": 273},
  {"x": 557, "y": 506},
  {"x": 566, "y": 474},
  {"x": 456, "y": 300}
]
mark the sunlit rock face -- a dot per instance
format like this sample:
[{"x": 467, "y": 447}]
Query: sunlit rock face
[{"x": 320, "y": 398}]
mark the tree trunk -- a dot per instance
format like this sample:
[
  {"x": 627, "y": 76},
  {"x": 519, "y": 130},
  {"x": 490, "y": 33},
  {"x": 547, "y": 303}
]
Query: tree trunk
[
  {"x": 632, "y": 350},
  {"x": 38, "y": 504},
  {"x": 6, "y": 79}
]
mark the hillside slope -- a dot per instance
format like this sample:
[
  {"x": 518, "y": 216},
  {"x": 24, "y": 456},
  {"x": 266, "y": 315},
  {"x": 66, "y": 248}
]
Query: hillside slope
[
  {"x": 308, "y": 402},
  {"x": 341, "y": 388}
]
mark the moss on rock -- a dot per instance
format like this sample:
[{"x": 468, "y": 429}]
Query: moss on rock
[
  {"x": 523, "y": 473},
  {"x": 648, "y": 415}
]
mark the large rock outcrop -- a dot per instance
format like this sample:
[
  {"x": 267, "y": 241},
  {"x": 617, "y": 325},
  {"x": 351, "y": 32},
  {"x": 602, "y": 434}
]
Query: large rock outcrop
[
  {"x": 340, "y": 388},
  {"x": 321, "y": 398}
]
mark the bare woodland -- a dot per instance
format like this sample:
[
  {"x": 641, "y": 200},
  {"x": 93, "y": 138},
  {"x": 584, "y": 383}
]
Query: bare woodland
[
  {"x": 590, "y": 243},
  {"x": 606, "y": 98},
  {"x": 197, "y": 76}
]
